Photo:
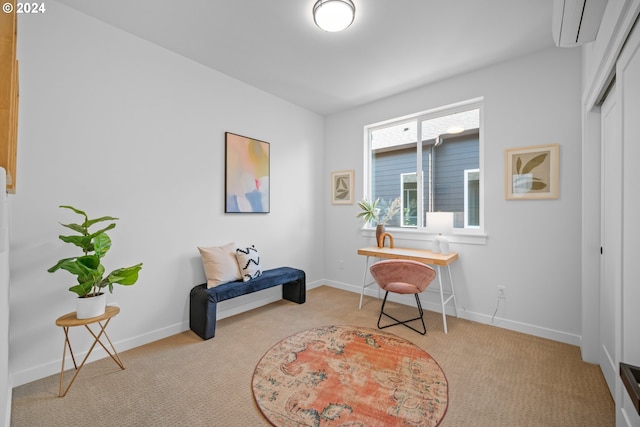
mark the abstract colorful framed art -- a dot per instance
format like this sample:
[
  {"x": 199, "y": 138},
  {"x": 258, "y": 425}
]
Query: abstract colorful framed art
[{"x": 247, "y": 174}]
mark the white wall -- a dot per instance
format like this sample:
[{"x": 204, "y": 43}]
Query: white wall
[
  {"x": 533, "y": 247},
  {"x": 5, "y": 384},
  {"x": 116, "y": 126}
]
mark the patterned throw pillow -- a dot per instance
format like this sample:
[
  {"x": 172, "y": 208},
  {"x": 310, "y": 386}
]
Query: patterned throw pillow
[{"x": 249, "y": 262}]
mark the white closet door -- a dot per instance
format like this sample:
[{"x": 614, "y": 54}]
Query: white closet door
[
  {"x": 628, "y": 82},
  {"x": 611, "y": 240}
]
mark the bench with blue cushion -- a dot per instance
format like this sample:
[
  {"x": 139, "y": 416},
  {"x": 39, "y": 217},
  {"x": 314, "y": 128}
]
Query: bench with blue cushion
[{"x": 203, "y": 301}]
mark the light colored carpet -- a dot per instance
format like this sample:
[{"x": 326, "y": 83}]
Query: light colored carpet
[{"x": 496, "y": 377}]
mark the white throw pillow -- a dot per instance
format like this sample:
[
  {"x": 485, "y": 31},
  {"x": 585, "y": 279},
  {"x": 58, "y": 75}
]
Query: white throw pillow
[
  {"x": 249, "y": 262},
  {"x": 220, "y": 265}
]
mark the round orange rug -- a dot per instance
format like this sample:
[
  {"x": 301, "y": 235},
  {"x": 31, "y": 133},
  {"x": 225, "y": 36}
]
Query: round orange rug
[{"x": 349, "y": 376}]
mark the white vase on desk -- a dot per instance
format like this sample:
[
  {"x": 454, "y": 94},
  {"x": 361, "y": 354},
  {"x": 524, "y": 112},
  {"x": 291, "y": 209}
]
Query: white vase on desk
[
  {"x": 440, "y": 245},
  {"x": 440, "y": 223},
  {"x": 435, "y": 245},
  {"x": 444, "y": 245}
]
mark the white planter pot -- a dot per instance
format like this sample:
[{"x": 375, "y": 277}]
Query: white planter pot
[{"x": 87, "y": 308}]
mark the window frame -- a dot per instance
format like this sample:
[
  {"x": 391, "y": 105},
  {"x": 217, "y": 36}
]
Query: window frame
[
  {"x": 402, "y": 198},
  {"x": 468, "y": 172},
  {"x": 469, "y": 234}
]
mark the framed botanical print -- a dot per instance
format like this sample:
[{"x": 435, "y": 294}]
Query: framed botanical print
[
  {"x": 531, "y": 172},
  {"x": 342, "y": 187}
]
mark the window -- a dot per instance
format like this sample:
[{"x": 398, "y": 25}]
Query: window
[
  {"x": 409, "y": 211},
  {"x": 472, "y": 198},
  {"x": 438, "y": 172}
]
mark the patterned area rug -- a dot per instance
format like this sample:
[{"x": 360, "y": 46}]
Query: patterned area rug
[{"x": 349, "y": 376}]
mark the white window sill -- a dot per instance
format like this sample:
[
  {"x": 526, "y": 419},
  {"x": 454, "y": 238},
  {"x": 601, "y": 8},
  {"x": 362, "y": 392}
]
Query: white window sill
[{"x": 465, "y": 237}]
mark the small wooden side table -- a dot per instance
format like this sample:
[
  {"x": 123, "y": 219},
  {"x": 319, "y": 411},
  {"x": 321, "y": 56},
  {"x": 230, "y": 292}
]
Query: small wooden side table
[{"x": 70, "y": 320}]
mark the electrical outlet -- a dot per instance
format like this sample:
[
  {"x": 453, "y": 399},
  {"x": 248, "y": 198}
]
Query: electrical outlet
[
  {"x": 341, "y": 265},
  {"x": 502, "y": 292}
]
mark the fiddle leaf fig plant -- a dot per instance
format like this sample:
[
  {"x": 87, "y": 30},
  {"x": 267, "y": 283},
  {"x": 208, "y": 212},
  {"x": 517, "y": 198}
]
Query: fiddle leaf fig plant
[{"x": 88, "y": 267}]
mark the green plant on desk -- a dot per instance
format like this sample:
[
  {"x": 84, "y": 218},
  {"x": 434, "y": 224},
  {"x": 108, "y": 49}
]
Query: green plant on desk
[{"x": 371, "y": 211}]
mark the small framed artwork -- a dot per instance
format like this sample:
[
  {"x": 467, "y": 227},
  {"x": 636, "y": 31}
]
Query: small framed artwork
[
  {"x": 342, "y": 187},
  {"x": 531, "y": 172},
  {"x": 247, "y": 174}
]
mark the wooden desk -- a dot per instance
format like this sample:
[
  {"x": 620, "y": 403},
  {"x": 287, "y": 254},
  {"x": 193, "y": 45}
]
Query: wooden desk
[
  {"x": 70, "y": 320},
  {"x": 420, "y": 255}
]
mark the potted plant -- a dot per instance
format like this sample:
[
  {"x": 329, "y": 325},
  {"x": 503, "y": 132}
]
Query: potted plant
[
  {"x": 378, "y": 214},
  {"x": 88, "y": 267}
]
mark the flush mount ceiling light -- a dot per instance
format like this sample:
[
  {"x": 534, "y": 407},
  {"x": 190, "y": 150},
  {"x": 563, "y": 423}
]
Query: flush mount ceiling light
[{"x": 333, "y": 15}]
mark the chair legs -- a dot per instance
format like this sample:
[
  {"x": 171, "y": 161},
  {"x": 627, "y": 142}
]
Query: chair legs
[{"x": 403, "y": 322}]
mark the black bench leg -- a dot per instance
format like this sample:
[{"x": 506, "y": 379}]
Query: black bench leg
[
  {"x": 295, "y": 291},
  {"x": 210, "y": 323},
  {"x": 202, "y": 314}
]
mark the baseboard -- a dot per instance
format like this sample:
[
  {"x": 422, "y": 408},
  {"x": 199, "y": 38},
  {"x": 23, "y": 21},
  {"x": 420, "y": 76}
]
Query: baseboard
[
  {"x": 626, "y": 413},
  {"x": 372, "y": 291},
  {"x": 315, "y": 284},
  {"x": 525, "y": 328},
  {"x": 53, "y": 367},
  {"x": 430, "y": 305},
  {"x": 246, "y": 303},
  {"x": 7, "y": 411}
]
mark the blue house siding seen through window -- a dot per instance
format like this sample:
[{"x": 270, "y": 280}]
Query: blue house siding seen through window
[{"x": 450, "y": 160}]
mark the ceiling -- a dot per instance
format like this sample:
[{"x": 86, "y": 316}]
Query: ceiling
[{"x": 392, "y": 46}]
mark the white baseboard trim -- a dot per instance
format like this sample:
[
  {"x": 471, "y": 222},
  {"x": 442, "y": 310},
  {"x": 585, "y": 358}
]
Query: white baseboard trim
[
  {"x": 525, "y": 328},
  {"x": 7, "y": 411},
  {"x": 248, "y": 302},
  {"x": 53, "y": 367},
  {"x": 428, "y": 303},
  {"x": 626, "y": 414}
]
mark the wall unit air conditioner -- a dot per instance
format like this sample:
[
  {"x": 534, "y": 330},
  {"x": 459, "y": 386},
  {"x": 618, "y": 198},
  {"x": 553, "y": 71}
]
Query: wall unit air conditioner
[{"x": 576, "y": 22}]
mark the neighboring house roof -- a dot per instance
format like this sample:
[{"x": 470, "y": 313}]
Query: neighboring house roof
[{"x": 405, "y": 133}]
